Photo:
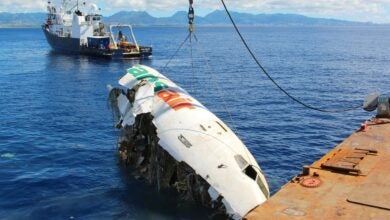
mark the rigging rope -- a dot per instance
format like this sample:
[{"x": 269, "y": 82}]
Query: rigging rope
[
  {"x": 192, "y": 67},
  {"x": 219, "y": 89},
  {"x": 273, "y": 81},
  {"x": 177, "y": 50},
  {"x": 191, "y": 16}
]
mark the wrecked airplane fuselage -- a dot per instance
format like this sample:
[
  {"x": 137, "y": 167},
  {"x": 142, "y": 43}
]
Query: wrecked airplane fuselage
[{"x": 172, "y": 140}]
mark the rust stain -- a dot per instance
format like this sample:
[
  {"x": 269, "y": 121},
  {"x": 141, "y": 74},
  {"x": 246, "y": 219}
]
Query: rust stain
[{"x": 355, "y": 182}]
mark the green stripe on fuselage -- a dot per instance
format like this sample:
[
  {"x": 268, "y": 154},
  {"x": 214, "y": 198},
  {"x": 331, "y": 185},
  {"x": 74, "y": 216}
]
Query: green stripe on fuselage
[{"x": 141, "y": 73}]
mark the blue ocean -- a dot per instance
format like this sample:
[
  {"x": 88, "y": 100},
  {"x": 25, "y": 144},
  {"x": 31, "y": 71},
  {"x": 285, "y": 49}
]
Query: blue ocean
[{"x": 58, "y": 142}]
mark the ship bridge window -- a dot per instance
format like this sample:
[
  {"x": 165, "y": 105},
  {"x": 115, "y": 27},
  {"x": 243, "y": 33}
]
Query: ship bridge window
[
  {"x": 252, "y": 173},
  {"x": 249, "y": 171},
  {"x": 262, "y": 186},
  {"x": 242, "y": 163},
  {"x": 245, "y": 167}
]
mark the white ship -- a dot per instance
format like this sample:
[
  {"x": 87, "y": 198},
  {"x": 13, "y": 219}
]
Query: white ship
[{"x": 79, "y": 29}]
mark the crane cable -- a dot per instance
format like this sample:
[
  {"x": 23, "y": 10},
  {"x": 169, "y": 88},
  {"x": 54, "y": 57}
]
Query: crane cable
[
  {"x": 191, "y": 16},
  {"x": 175, "y": 54},
  {"x": 191, "y": 34},
  {"x": 274, "y": 82},
  {"x": 219, "y": 89}
]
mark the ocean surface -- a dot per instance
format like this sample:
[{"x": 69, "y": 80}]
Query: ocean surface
[{"x": 58, "y": 144}]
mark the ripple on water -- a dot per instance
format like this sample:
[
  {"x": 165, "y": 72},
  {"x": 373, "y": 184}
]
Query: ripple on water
[{"x": 54, "y": 117}]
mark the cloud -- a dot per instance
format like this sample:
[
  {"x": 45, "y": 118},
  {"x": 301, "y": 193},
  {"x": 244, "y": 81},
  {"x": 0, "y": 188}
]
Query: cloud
[
  {"x": 358, "y": 10},
  {"x": 22, "y": 6}
]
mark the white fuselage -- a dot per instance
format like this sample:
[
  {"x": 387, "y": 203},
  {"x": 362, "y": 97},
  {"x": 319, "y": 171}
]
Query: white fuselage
[{"x": 189, "y": 132}]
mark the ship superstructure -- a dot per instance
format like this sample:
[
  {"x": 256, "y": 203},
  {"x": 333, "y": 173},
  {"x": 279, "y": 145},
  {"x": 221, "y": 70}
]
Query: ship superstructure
[{"x": 75, "y": 28}]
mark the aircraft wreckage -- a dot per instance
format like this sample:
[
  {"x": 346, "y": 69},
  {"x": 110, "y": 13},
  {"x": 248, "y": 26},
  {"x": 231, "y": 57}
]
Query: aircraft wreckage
[{"x": 172, "y": 140}]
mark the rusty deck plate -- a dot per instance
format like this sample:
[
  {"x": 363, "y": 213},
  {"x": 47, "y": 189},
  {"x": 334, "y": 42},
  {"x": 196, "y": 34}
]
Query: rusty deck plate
[
  {"x": 375, "y": 190},
  {"x": 343, "y": 193}
]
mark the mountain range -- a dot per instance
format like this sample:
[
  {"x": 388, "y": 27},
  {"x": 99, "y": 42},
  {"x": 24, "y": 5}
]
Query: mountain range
[{"x": 180, "y": 18}]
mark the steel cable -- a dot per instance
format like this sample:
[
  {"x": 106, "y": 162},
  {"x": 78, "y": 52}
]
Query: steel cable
[
  {"x": 177, "y": 50},
  {"x": 274, "y": 82}
]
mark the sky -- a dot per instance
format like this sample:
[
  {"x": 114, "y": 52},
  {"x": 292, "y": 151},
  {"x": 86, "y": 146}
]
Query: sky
[{"x": 377, "y": 11}]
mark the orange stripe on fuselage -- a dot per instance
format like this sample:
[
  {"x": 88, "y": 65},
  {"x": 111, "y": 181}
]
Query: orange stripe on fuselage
[{"x": 174, "y": 100}]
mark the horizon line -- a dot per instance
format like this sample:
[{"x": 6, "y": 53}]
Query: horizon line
[{"x": 216, "y": 10}]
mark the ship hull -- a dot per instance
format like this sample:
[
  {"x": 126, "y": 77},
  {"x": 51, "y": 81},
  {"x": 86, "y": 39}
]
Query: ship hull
[{"x": 72, "y": 46}]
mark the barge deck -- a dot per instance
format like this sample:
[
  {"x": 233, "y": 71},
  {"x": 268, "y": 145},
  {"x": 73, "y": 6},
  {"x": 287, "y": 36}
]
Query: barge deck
[{"x": 352, "y": 181}]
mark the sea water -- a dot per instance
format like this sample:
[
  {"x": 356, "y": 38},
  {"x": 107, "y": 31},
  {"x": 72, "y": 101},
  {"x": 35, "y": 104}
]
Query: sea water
[{"x": 58, "y": 143}]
